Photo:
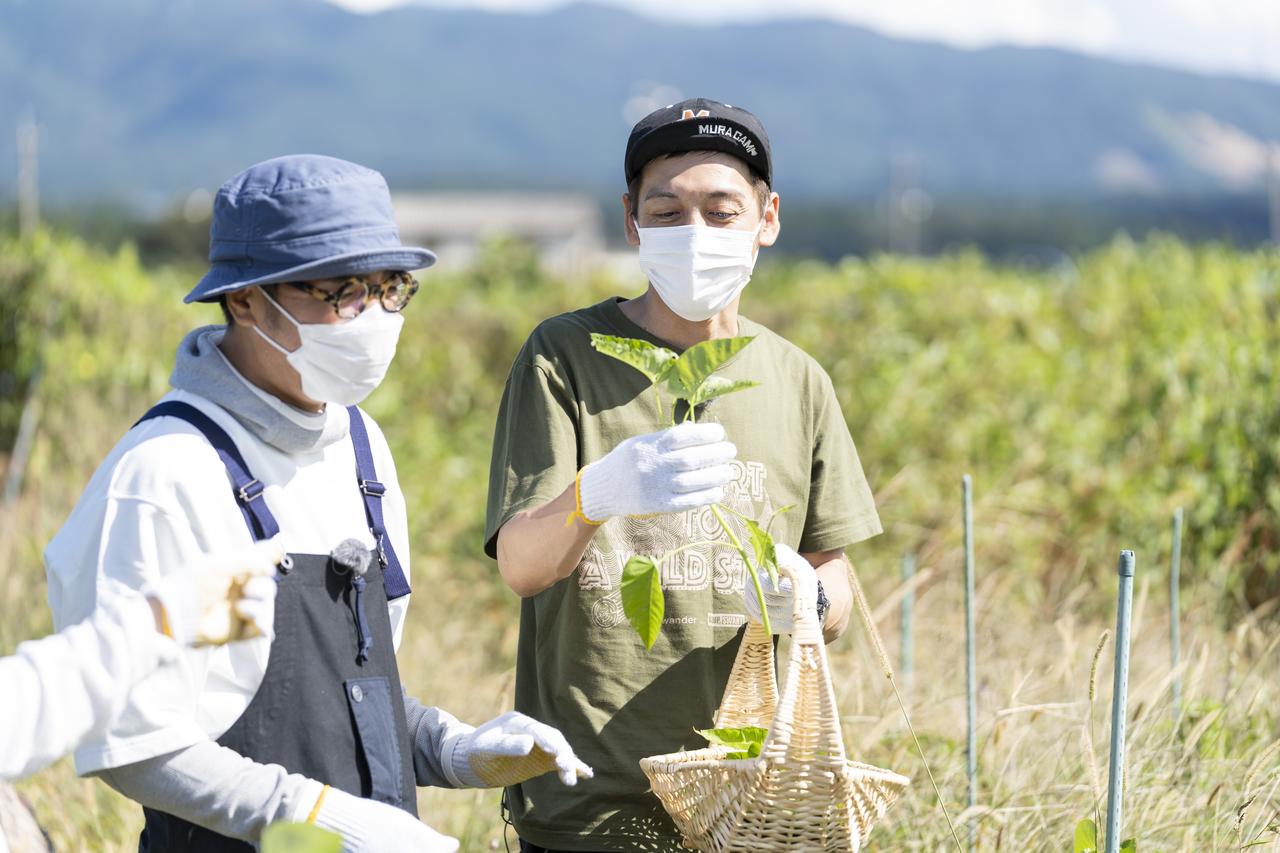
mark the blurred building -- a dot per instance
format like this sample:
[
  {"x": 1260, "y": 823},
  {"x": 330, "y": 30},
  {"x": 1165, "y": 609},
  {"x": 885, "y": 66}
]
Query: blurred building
[{"x": 567, "y": 229}]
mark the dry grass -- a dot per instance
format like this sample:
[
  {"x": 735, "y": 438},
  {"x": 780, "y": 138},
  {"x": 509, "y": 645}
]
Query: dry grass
[
  {"x": 1208, "y": 782},
  {"x": 1211, "y": 782}
]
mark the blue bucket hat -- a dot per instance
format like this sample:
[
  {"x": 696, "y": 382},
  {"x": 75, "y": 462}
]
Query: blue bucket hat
[{"x": 302, "y": 217}]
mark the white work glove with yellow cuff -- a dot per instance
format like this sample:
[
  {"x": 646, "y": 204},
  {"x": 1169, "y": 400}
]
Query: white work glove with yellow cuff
[
  {"x": 677, "y": 469},
  {"x": 507, "y": 750},
  {"x": 222, "y": 598},
  {"x": 368, "y": 826},
  {"x": 780, "y": 599}
]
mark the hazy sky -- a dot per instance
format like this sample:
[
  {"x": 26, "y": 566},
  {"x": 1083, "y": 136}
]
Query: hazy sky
[{"x": 1231, "y": 36}]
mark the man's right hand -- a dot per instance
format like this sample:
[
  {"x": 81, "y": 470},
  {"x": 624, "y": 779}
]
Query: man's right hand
[
  {"x": 368, "y": 826},
  {"x": 674, "y": 470}
]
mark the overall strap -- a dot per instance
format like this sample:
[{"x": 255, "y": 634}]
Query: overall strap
[
  {"x": 367, "y": 476},
  {"x": 247, "y": 489}
]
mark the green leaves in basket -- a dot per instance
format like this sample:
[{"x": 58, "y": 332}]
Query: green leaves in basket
[
  {"x": 299, "y": 838},
  {"x": 642, "y": 599},
  {"x": 746, "y": 741}
]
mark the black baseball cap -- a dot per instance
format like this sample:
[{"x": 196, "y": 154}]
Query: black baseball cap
[{"x": 699, "y": 124}]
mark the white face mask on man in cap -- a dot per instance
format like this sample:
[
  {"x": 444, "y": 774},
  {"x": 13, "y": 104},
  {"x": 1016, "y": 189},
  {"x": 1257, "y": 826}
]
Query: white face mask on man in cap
[
  {"x": 342, "y": 363},
  {"x": 698, "y": 270}
]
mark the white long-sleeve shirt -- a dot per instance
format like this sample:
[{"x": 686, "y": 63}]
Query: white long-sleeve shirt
[
  {"x": 156, "y": 505},
  {"x": 69, "y": 688}
]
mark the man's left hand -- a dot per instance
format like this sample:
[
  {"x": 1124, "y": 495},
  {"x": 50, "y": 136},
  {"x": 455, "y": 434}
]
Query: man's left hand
[
  {"x": 780, "y": 599},
  {"x": 510, "y": 749}
]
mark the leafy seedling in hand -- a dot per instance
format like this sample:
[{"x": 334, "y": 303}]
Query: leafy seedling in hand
[{"x": 688, "y": 376}]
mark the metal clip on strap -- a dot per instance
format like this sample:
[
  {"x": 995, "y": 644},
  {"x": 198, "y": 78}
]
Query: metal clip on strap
[
  {"x": 246, "y": 488},
  {"x": 367, "y": 477},
  {"x": 250, "y": 491}
]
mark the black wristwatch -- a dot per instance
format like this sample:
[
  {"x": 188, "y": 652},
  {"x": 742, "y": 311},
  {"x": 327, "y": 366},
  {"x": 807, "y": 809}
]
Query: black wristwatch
[{"x": 823, "y": 603}]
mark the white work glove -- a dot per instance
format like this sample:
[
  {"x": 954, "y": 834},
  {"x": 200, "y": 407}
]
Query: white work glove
[
  {"x": 679, "y": 468},
  {"x": 224, "y": 597},
  {"x": 368, "y": 826},
  {"x": 508, "y": 750},
  {"x": 780, "y": 599}
]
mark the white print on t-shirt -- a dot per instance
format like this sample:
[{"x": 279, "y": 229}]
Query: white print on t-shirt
[{"x": 710, "y": 565}]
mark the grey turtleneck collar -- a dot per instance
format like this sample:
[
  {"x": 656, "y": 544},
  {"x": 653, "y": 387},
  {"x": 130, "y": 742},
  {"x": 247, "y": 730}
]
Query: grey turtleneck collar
[{"x": 202, "y": 369}]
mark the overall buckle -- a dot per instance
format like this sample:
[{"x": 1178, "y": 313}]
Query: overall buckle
[{"x": 250, "y": 491}]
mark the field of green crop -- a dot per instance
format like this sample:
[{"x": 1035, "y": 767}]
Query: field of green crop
[{"x": 1086, "y": 402}]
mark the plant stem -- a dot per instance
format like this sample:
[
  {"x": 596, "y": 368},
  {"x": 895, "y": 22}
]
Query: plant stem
[
  {"x": 941, "y": 802},
  {"x": 740, "y": 515},
  {"x": 657, "y": 395},
  {"x": 742, "y": 552}
]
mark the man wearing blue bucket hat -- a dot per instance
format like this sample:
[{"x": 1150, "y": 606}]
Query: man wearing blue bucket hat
[{"x": 262, "y": 438}]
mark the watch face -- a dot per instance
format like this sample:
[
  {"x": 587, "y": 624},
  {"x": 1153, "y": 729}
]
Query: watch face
[{"x": 823, "y": 603}]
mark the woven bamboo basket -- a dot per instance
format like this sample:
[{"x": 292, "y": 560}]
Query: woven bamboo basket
[{"x": 801, "y": 793}]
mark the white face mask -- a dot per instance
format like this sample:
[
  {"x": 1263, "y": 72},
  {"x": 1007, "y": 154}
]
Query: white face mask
[
  {"x": 698, "y": 270},
  {"x": 343, "y": 362}
]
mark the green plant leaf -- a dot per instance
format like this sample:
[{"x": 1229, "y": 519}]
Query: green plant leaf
[
  {"x": 718, "y": 386},
  {"x": 746, "y": 742},
  {"x": 642, "y": 598},
  {"x": 684, "y": 376},
  {"x": 765, "y": 551},
  {"x": 1129, "y": 845},
  {"x": 649, "y": 359},
  {"x": 299, "y": 838},
  {"x": 1086, "y": 837}
]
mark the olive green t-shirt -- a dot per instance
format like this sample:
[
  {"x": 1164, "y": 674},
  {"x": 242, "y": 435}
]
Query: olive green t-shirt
[{"x": 580, "y": 666}]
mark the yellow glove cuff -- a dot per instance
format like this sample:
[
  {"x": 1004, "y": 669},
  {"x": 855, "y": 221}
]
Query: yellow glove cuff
[{"x": 577, "y": 513}]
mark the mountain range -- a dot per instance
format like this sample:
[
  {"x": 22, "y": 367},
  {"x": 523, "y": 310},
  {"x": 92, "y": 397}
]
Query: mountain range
[{"x": 144, "y": 100}]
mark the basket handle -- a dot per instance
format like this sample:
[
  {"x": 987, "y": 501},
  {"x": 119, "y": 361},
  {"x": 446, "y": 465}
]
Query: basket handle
[
  {"x": 751, "y": 694},
  {"x": 808, "y": 686}
]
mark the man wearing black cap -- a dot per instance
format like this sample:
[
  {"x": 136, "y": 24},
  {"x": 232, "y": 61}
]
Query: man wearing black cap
[
  {"x": 262, "y": 438},
  {"x": 580, "y": 482}
]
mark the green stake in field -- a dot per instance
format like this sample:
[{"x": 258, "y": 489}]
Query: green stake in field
[
  {"x": 1119, "y": 700},
  {"x": 908, "y": 599},
  {"x": 971, "y": 678},
  {"x": 1175, "y": 614}
]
